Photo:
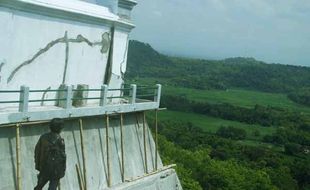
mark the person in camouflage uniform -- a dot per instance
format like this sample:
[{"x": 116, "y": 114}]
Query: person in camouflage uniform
[{"x": 50, "y": 156}]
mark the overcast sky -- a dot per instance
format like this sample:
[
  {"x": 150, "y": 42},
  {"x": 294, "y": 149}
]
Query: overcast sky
[{"x": 275, "y": 31}]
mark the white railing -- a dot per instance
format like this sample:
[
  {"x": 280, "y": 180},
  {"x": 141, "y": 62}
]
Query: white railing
[{"x": 69, "y": 102}]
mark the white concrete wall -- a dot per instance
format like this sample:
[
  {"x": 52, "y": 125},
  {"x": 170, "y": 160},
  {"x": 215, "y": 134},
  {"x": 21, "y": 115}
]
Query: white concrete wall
[
  {"x": 35, "y": 50},
  {"x": 111, "y": 4},
  {"x": 95, "y": 151}
]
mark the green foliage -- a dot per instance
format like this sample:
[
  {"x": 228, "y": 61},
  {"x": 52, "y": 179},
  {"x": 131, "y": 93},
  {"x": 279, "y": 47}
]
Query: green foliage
[
  {"x": 292, "y": 148},
  {"x": 212, "y": 124},
  {"x": 232, "y": 133},
  {"x": 143, "y": 61},
  {"x": 265, "y": 116},
  {"x": 282, "y": 179},
  {"x": 235, "y": 97},
  {"x": 302, "y": 96},
  {"x": 266, "y": 145},
  {"x": 284, "y": 136},
  {"x": 198, "y": 171}
]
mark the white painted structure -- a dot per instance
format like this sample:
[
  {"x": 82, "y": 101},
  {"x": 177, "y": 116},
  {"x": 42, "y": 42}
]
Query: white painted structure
[{"x": 46, "y": 45}]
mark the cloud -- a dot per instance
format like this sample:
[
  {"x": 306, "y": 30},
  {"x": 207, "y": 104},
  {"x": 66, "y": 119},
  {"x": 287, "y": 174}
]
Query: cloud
[{"x": 269, "y": 30}]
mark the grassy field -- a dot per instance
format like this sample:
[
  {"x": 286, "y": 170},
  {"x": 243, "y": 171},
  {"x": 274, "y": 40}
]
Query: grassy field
[
  {"x": 212, "y": 124},
  {"x": 238, "y": 97}
]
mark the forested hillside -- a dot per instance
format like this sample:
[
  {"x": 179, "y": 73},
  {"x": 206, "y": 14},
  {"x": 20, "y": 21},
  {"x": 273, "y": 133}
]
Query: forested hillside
[
  {"x": 231, "y": 124},
  {"x": 248, "y": 73}
]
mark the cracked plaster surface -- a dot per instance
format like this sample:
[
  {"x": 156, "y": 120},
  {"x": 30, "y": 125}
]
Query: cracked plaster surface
[
  {"x": 1, "y": 66},
  {"x": 108, "y": 71},
  {"x": 104, "y": 43},
  {"x": 44, "y": 95}
]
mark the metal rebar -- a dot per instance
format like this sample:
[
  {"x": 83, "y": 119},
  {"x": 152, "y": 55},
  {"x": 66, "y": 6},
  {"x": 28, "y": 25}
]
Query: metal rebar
[
  {"x": 119, "y": 89},
  {"x": 47, "y": 100},
  {"x": 10, "y": 91},
  {"x": 83, "y": 153},
  {"x": 144, "y": 143},
  {"x": 108, "y": 151},
  {"x": 146, "y": 88},
  {"x": 122, "y": 147},
  {"x": 115, "y": 97},
  {"x": 156, "y": 139},
  {"x": 9, "y": 102},
  {"x": 80, "y": 179},
  {"x": 89, "y": 90},
  {"x": 93, "y": 98},
  {"x": 145, "y": 95},
  {"x": 18, "y": 158},
  {"x": 51, "y": 90}
]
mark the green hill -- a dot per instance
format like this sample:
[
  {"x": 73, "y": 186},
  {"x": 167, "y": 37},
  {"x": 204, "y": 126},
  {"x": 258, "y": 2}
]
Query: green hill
[
  {"x": 236, "y": 123},
  {"x": 247, "y": 73}
]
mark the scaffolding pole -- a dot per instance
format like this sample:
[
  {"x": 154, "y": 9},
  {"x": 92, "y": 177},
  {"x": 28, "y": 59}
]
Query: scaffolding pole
[
  {"x": 108, "y": 150},
  {"x": 18, "y": 176},
  {"x": 80, "y": 180},
  {"x": 83, "y": 153},
  {"x": 122, "y": 147},
  {"x": 156, "y": 140},
  {"x": 144, "y": 143}
]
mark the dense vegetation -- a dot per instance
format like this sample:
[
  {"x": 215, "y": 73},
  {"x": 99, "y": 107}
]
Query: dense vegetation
[
  {"x": 265, "y": 116},
  {"x": 207, "y": 161},
  {"x": 232, "y": 124},
  {"x": 301, "y": 96}
]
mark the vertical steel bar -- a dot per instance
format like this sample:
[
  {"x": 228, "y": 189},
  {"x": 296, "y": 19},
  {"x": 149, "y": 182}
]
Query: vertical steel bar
[
  {"x": 144, "y": 143},
  {"x": 122, "y": 147},
  {"x": 108, "y": 151},
  {"x": 156, "y": 139},
  {"x": 83, "y": 153},
  {"x": 18, "y": 158}
]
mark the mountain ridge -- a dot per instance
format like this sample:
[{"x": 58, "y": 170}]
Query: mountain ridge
[{"x": 236, "y": 72}]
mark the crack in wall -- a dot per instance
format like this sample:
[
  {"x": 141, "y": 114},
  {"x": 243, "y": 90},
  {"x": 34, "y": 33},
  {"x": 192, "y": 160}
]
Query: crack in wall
[
  {"x": 124, "y": 59},
  {"x": 44, "y": 95},
  {"x": 67, "y": 58},
  {"x": 108, "y": 70},
  {"x": 1, "y": 65},
  {"x": 104, "y": 43}
]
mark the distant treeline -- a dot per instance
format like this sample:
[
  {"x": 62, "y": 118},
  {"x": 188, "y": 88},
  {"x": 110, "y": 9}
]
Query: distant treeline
[
  {"x": 248, "y": 73},
  {"x": 301, "y": 96}
]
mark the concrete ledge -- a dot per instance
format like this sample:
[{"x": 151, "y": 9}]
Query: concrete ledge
[
  {"x": 70, "y": 10},
  {"x": 161, "y": 180},
  {"x": 49, "y": 113}
]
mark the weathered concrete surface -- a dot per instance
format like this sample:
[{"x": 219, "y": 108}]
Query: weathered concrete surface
[
  {"x": 163, "y": 180},
  {"x": 95, "y": 150},
  {"x": 44, "y": 51}
]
